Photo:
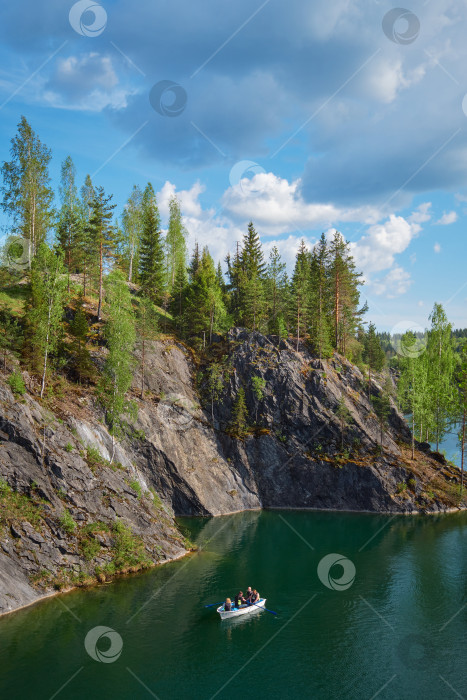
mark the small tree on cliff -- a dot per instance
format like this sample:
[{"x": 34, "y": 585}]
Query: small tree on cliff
[
  {"x": 239, "y": 424},
  {"x": 118, "y": 369},
  {"x": 259, "y": 384},
  {"x": 344, "y": 415},
  {"x": 215, "y": 384}
]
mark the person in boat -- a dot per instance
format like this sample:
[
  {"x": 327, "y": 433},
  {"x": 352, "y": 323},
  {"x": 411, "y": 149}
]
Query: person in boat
[
  {"x": 239, "y": 599},
  {"x": 248, "y": 595},
  {"x": 227, "y": 605},
  {"x": 254, "y": 598}
]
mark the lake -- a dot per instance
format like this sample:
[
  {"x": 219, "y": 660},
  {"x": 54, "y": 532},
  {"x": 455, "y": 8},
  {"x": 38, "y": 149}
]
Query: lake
[{"x": 389, "y": 621}]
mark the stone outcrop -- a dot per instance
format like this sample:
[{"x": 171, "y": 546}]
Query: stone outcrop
[{"x": 180, "y": 457}]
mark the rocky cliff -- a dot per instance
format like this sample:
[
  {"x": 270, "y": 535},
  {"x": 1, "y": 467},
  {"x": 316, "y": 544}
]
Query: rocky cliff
[{"x": 70, "y": 517}]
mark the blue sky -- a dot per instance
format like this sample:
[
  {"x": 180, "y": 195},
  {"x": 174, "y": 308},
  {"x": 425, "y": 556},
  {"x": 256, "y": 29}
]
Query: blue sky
[{"x": 303, "y": 116}]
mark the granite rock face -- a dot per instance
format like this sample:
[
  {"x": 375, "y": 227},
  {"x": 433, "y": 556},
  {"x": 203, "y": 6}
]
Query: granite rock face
[{"x": 296, "y": 454}]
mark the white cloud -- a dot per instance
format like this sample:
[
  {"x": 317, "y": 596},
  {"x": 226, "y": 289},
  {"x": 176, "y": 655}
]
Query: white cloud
[
  {"x": 277, "y": 206},
  {"x": 437, "y": 248},
  {"x": 278, "y": 210},
  {"x": 395, "y": 283},
  {"x": 447, "y": 218}
]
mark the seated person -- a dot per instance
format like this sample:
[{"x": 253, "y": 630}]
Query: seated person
[
  {"x": 254, "y": 598},
  {"x": 239, "y": 599},
  {"x": 248, "y": 595},
  {"x": 227, "y": 605}
]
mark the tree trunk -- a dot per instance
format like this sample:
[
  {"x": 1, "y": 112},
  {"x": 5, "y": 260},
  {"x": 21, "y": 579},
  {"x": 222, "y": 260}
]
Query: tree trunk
[
  {"x": 99, "y": 308},
  {"x": 142, "y": 370},
  {"x": 413, "y": 433},
  {"x": 463, "y": 450}
]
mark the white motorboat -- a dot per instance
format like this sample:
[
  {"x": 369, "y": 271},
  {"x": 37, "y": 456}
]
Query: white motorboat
[{"x": 242, "y": 610}]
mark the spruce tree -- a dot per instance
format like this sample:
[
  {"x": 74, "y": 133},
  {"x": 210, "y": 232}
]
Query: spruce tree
[
  {"x": 151, "y": 254},
  {"x": 239, "y": 422},
  {"x": 276, "y": 293},
  {"x": 205, "y": 311},
  {"x": 301, "y": 291},
  {"x": 175, "y": 242}
]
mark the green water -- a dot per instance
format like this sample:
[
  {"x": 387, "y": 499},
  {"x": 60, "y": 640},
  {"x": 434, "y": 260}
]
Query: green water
[{"x": 396, "y": 632}]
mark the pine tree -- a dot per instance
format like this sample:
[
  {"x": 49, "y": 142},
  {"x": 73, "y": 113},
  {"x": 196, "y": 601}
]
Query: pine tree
[
  {"x": 48, "y": 296},
  {"x": 101, "y": 233},
  {"x": 27, "y": 196},
  {"x": 344, "y": 283},
  {"x": 441, "y": 367},
  {"x": 179, "y": 290},
  {"x": 239, "y": 424},
  {"x": 175, "y": 242},
  {"x": 117, "y": 373},
  {"x": 151, "y": 256}
]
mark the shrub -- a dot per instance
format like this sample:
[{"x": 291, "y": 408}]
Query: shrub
[
  {"x": 136, "y": 486},
  {"x": 128, "y": 548},
  {"x": 412, "y": 483},
  {"x": 401, "y": 487},
  {"x": 67, "y": 523},
  {"x": 69, "y": 447},
  {"x": 16, "y": 383}
]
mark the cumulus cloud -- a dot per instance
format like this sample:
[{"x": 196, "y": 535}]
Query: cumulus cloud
[
  {"x": 447, "y": 218},
  {"x": 87, "y": 82},
  {"x": 277, "y": 205},
  {"x": 277, "y": 208}
]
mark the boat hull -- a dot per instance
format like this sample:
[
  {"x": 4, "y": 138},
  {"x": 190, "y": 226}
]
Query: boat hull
[{"x": 243, "y": 610}]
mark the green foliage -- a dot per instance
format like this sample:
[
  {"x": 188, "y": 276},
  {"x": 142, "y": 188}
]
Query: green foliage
[
  {"x": 175, "y": 243},
  {"x": 16, "y": 383},
  {"x": 67, "y": 523},
  {"x": 94, "y": 459},
  {"x": 239, "y": 425},
  {"x": 15, "y": 506},
  {"x": 128, "y": 549},
  {"x": 101, "y": 235},
  {"x": 151, "y": 249},
  {"x": 158, "y": 505},
  {"x": 79, "y": 329},
  {"x": 27, "y": 195},
  {"x": 118, "y": 369},
  {"x": 401, "y": 487},
  {"x": 344, "y": 415},
  {"x": 69, "y": 447},
  {"x": 136, "y": 486},
  {"x": 48, "y": 296}
]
